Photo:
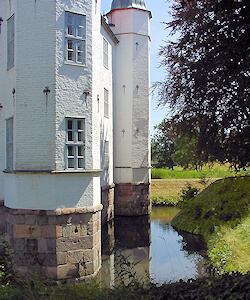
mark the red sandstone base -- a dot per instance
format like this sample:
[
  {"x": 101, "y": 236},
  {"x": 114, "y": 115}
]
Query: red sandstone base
[
  {"x": 132, "y": 199},
  {"x": 60, "y": 244},
  {"x": 108, "y": 203}
]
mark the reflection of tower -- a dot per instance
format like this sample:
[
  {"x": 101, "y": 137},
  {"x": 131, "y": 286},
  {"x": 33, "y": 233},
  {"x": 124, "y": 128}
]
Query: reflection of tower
[
  {"x": 130, "y": 23},
  {"x": 133, "y": 238},
  {"x": 126, "y": 249}
]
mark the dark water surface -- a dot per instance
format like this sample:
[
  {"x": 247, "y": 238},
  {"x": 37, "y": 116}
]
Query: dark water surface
[{"x": 151, "y": 249}]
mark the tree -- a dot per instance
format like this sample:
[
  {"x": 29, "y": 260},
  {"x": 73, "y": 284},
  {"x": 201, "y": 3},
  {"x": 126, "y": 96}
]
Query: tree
[
  {"x": 170, "y": 149},
  {"x": 208, "y": 77},
  {"x": 162, "y": 146},
  {"x": 184, "y": 154}
]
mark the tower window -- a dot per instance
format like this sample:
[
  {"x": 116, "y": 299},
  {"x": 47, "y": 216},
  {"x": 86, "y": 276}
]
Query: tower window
[
  {"x": 106, "y": 103},
  {"x": 10, "y": 41},
  {"x": 75, "y": 36},
  {"x": 106, "y": 155},
  {"x": 105, "y": 54},
  {"x": 75, "y": 143},
  {"x": 9, "y": 144}
]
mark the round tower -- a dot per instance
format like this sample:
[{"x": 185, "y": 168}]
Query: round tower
[{"x": 129, "y": 20}]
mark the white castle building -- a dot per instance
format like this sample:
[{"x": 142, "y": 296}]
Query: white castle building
[{"x": 74, "y": 127}]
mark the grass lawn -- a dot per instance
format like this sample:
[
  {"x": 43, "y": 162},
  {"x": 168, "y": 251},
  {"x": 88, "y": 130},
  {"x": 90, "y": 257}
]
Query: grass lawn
[
  {"x": 172, "y": 187},
  {"x": 167, "y": 184},
  {"x": 217, "y": 171}
]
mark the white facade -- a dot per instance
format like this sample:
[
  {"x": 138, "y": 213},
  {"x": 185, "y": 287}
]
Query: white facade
[
  {"x": 131, "y": 126},
  {"x": 47, "y": 90}
]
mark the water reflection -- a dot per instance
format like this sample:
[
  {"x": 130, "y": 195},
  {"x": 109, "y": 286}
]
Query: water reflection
[
  {"x": 151, "y": 250},
  {"x": 126, "y": 250}
]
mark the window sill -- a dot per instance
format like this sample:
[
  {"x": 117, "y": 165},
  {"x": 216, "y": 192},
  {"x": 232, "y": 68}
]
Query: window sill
[
  {"x": 9, "y": 68},
  {"x": 66, "y": 62},
  {"x": 76, "y": 171}
]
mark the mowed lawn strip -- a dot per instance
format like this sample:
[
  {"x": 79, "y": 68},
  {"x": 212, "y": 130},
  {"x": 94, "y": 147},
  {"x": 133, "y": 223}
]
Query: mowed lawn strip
[{"x": 172, "y": 187}]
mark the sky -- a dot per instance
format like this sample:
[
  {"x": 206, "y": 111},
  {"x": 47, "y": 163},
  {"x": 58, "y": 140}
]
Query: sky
[{"x": 159, "y": 34}]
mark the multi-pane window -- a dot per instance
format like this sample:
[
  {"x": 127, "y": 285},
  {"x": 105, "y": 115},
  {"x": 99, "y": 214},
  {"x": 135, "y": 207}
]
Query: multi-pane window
[
  {"x": 106, "y": 103},
  {"x": 75, "y": 38},
  {"x": 10, "y": 41},
  {"x": 105, "y": 54},
  {"x": 75, "y": 143},
  {"x": 106, "y": 155},
  {"x": 9, "y": 144}
]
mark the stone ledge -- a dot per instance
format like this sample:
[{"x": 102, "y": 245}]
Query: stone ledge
[
  {"x": 108, "y": 187},
  {"x": 57, "y": 212},
  {"x": 78, "y": 210},
  {"x": 133, "y": 184}
]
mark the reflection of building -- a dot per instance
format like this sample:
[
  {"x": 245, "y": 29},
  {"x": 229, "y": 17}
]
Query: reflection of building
[
  {"x": 74, "y": 119},
  {"x": 126, "y": 250}
]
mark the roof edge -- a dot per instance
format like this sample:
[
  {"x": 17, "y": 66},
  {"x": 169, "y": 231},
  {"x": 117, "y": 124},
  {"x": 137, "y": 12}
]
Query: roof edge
[
  {"x": 146, "y": 10},
  {"x": 109, "y": 30}
]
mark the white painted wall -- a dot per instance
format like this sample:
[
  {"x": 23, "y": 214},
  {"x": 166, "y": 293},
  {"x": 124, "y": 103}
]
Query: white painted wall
[
  {"x": 105, "y": 79},
  {"x": 39, "y": 129},
  {"x": 71, "y": 81},
  {"x": 51, "y": 191},
  {"x": 35, "y": 69},
  {"x": 131, "y": 122}
]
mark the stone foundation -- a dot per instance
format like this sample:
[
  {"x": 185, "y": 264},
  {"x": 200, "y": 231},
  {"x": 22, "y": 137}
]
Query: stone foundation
[
  {"x": 60, "y": 244},
  {"x": 132, "y": 199},
  {"x": 108, "y": 196}
]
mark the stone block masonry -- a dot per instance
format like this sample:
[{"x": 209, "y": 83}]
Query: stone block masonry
[
  {"x": 108, "y": 203},
  {"x": 132, "y": 199},
  {"x": 60, "y": 244}
]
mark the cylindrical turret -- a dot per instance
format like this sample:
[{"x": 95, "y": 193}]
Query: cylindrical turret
[{"x": 130, "y": 23}]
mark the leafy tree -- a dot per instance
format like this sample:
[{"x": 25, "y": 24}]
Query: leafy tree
[
  {"x": 162, "y": 146},
  {"x": 169, "y": 148},
  {"x": 208, "y": 77},
  {"x": 184, "y": 154}
]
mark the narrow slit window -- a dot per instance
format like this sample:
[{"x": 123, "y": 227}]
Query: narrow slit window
[
  {"x": 106, "y": 103},
  {"x": 106, "y": 155},
  {"x": 105, "y": 54},
  {"x": 10, "y": 41},
  {"x": 9, "y": 144}
]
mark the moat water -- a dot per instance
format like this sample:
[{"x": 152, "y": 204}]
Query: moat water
[{"x": 150, "y": 249}]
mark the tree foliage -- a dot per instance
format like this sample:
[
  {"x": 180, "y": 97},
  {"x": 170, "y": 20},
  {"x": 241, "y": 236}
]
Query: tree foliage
[
  {"x": 170, "y": 149},
  {"x": 162, "y": 146},
  {"x": 208, "y": 77}
]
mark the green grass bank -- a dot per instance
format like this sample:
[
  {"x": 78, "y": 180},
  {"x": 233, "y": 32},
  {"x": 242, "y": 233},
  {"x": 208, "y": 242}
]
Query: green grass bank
[
  {"x": 229, "y": 287},
  {"x": 221, "y": 214}
]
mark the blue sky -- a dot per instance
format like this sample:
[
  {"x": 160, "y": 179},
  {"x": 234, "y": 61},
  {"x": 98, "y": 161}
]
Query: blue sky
[{"x": 159, "y": 9}]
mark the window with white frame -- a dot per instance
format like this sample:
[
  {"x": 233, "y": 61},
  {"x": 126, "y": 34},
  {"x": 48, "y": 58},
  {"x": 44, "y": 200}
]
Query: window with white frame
[
  {"x": 75, "y": 143},
  {"x": 75, "y": 35},
  {"x": 10, "y": 41},
  {"x": 9, "y": 144},
  {"x": 105, "y": 53},
  {"x": 106, "y": 155},
  {"x": 106, "y": 103}
]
